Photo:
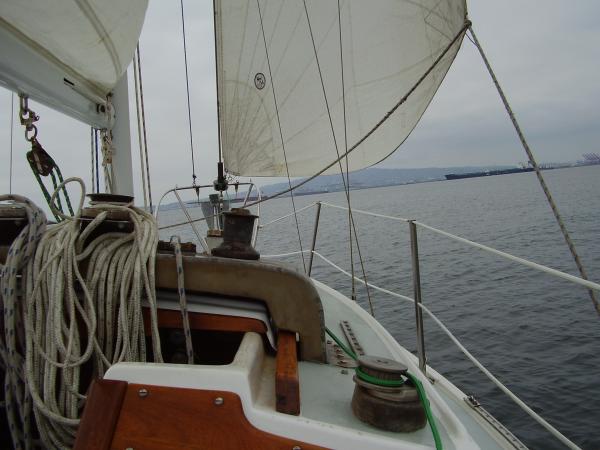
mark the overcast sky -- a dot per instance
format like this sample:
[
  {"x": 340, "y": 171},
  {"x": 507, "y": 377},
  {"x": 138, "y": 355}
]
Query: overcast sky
[{"x": 546, "y": 54}]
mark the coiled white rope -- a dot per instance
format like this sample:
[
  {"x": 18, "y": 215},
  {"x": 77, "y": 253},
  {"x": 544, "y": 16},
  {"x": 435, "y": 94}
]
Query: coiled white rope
[{"x": 83, "y": 313}]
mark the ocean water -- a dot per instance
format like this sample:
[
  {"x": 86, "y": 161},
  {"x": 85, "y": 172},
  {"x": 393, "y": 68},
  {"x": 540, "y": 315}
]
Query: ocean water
[{"x": 538, "y": 334}]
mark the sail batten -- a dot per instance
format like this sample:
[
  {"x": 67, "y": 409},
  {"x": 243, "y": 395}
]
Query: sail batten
[{"x": 386, "y": 46}]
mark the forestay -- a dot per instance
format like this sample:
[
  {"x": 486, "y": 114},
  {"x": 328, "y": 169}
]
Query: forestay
[
  {"x": 68, "y": 54},
  {"x": 273, "y": 100}
]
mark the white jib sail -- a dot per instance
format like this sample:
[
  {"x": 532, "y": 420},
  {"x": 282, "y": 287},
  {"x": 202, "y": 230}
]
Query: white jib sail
[
  {"x": 68, "y": 54},
  {"x": 273, "y": 98}
]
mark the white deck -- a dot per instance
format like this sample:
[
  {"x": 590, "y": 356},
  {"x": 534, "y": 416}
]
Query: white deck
[{"x": 326, "y": 417}]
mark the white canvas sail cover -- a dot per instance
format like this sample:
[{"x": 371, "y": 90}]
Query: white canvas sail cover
[
  {"x": 271, "y": 95},
  {"x": 85, "y": 45}
]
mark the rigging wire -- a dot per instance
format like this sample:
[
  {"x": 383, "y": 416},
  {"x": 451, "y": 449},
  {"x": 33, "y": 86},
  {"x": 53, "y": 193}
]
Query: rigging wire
[
  {"x": 143, "y": 110},
  {"x": 139, "y": 127},
  {"x": 350, "y": 221},
  {"x": 187, "y": 86},
  {"x": 536, "y": 168},
  {"x": 217, "y": 82},
  {"x": 291, "y": 189},
  {"x": 339, "y": 160},
  {"x": 92, "y": 156},
  {"x": 97, "y": 160},
  {"x": 12, "y": 111}
]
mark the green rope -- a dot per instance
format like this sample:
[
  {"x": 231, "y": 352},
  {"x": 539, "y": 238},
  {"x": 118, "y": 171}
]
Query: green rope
[
  {"x": 378, "y": 381},
  {"x": 55, "y": 184},
  {"x": 45, "y": 192},
  {"x": 395, "y": 383},
  {"x": 427, "y": 406},
  {"x": 47, "y": 196},
  {"x": 337, "y": 340},
  {"x": 64, "y": 189}
]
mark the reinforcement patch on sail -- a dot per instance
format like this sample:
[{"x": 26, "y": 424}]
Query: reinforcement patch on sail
[{"x": 281, "y": 65}]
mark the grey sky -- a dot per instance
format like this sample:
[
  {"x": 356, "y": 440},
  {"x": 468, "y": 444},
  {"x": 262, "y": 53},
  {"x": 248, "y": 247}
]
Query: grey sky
[{"x": 546, "y": 55}]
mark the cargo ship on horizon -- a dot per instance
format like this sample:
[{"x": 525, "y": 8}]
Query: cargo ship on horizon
[{"x": 487, "y": 173}]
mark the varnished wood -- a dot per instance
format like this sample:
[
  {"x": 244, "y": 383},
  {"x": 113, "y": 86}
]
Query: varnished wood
[
  {"x": 287, "y": 385},
  {"x": 290, "y": 297},
  {"x": 200, "y": 321},
  {"x": 175, "y": 418},
  {"x": 100, "y": 415}
]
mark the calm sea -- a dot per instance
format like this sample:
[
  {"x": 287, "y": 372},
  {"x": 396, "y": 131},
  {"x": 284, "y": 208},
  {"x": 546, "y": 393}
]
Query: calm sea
[{"x": 539, "y": 335}]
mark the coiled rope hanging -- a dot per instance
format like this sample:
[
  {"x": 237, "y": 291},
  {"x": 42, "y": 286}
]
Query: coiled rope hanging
[
  {"x": 82, "y": 314},
  {"x": 19, "y": 260}
]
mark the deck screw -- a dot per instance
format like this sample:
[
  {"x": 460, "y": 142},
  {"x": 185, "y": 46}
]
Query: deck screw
[
  {"x": 219, "y": 401},
  {"x": 143, "y": 392}
]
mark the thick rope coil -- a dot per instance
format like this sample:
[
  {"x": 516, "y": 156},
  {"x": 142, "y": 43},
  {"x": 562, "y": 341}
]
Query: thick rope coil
[
  {"x": 82, "y": 313},
  {"x": 12, "y": 341}
]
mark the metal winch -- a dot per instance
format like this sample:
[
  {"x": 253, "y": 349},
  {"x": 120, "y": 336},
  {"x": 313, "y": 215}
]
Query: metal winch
[
  {"x": 384, "y": 397},
  {"x": 238, "y": 228}
]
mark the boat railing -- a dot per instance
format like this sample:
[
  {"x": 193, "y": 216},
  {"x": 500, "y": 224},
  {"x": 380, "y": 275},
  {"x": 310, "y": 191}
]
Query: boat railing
[
  {"x": 416, "y": 299},
  {"x": 192, "y": 222}
]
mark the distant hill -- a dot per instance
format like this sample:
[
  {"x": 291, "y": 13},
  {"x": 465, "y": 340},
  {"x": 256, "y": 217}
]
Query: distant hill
[{"x": 375, "y": 177}]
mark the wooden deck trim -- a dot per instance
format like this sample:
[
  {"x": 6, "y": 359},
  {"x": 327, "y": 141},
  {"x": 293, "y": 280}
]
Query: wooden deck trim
[
  {"x": 168, "y": 418},
  {"x": 287, "y": 383},
  {"x": 168, "y": 318},
  {"x": 101, "y": 414}
]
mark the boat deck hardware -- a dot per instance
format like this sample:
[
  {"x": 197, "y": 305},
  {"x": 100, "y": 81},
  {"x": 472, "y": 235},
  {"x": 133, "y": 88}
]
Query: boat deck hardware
[
  {"x": 395, "y": 406},
  {"x": 187, "y": 248},
  {"x": 336, "y": 355},
  {"x": 237, "y": 235},
  {"x": 352, "y": 339},
  {"x": 511, "y": 438}
]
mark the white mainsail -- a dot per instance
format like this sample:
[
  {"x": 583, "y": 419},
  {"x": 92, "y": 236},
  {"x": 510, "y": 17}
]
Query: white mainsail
[
  {"x": 273, "y": 95},
  {"x": 68, "y": 54}
]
